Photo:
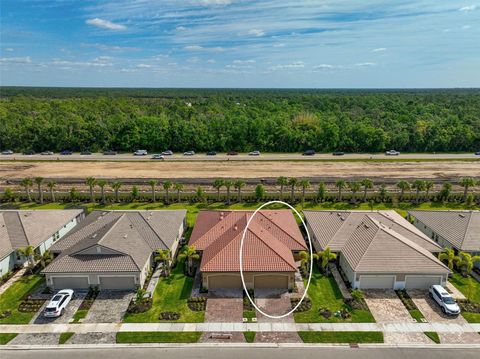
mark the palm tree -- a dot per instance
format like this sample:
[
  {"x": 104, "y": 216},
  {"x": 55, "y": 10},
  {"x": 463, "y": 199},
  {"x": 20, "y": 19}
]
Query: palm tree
[
  {"x": 102, "y": 184},
  {"x": 91, "y": 182},
  {"x": 189, "y": 253},
  {"x": 304, "y": 184},
  {"x": 51, "y": 185},
  {"x": 39, "y": 182},
  {"x": 292, "y": 182},
  {"x": 239, "y": 184},
  {"x": 418, "y": 185},
  {"x": 466, "y": 262},
  {"x": 166, "y": 186},
  {"x": 448, "y": 255},
  {"x": 383, "y": 192},
  {"x": 116, "y": 187},
  {"x": 466, "y": 183},
  {"x": 354, "y": 187},
  {"x": 218, "y": 184},
  {"x": 322, "y": 191},
  {"x": 367, "y": 184},
  {"x": 163, "y": 256},
  {"x": 282, "y": 181},
  {"x": 29, "y": 253},
  {"x": 228, "y": 184},
  {"x": 428, "y": 186},
  {"x": 153, "y": 184},
  {"x": 340, "y": 184},
  {"x": 445, "y": 192},
  {"x": 404, "y": 186},
  {"x": 73, "y": 194},
  {"x": 45, "y": 259},
  {"x": 326, "y": 256},
  {"x": 179, "y": 188},
  {"x": 27, "y": 183},
  {"x": 305, "y": 260},
  {"x": 200, "y": 194}
]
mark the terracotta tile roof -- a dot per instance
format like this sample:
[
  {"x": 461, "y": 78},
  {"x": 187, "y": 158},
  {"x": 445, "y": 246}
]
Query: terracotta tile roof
[
  {"x": 460, "y": 228},
  {"x": 268, "y": 245}
]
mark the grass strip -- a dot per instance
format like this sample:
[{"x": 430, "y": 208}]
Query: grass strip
[
  {"x": 6, "y": 337},
  {"x": 249, "y": 336},
  {"x": 341, "y": 337},
  {"x": 64, "y": 337},
  {"x": 158, "y": 337},
  {"x": 434, "y": 336}
]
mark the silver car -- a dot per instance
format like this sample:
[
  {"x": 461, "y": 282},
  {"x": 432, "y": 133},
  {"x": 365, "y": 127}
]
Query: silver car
[{"x": 447, "y": 304}]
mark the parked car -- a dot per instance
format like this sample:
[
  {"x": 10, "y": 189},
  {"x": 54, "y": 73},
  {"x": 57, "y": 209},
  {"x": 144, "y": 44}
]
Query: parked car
[
  {"x": 66, "y": 153},
  {"x": 477, "y": 153},
  {"x": 167, "y": 153},
  {"x": 158, "y": 157},
  {"x": 7, "y": 152},
  {"x": 232, "y": 153},
  {"x": 447, "y": 304},
  {"x": 85, "y": 153},
  {"x": 254, "y": 153},
  {"x": 189, "y": 153},
  {"x": 338, "y": 153},
  {"x": 211, "y": 153},
  {"x": 29, "y": 153},
  {"x": 308, "y": 153},
  {"x": 140, "y": 153},
  {"x": 392, "y": 153},
  {"x": 56, "y": 306},
  {"x": 47, "y": 153},
  {"x": 109, "y": 153}
]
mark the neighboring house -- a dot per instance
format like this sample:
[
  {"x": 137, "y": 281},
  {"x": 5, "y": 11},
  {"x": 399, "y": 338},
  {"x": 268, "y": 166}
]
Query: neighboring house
[
  {"x": 114, "y": 250},
  {"x": 39, "y": 229},
  {"x": 452, "y": 229},
  {"x": 377, "y": 249},
  {"x": 271, "y": 243}
]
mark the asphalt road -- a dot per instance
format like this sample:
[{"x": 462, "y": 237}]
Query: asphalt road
[
  {"x": 251, "y": 353},
  {"x": 240, "y": 157}
]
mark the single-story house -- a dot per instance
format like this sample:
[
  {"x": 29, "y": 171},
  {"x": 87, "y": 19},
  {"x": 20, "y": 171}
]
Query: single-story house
[
  {"x": 39, "y": 229},
  {"x": 272, "y": 241},
  {"x": 114, "y": 250},
  {"x": 459, "y": 230},
  {"x": 378, "y": 249}
]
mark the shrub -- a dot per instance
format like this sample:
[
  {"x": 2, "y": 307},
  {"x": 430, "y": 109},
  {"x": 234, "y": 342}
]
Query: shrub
[
  {"x": 169, "y": 316},
  {"x": 325, "y": 312},
  {"x": 142, "y": 306},
  {"x": 197, "y": 304},
  {"x": 305, "y": 306}
]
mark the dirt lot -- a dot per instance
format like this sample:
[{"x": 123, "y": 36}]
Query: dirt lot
[{"x": 447, "y": 170}]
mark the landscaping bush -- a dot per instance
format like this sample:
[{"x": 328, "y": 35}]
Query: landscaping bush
[
  {"x": 247, "y": 305},
  {"x": 305, "y": 306},
  {"x": 30, "y": 305},
  {"x": 140, "y": 306},
  {"x": 169, "y": 316},
  {"x": 89, "y": 298},
  {"x": 5, "y": 314},
  {"x": 197, "y": 304},
  {"x": 469, "y": 306},
  {"x": 357, "y": 301},
  {"x": 405, "y": 298},
  {"x": 325, "y": 312}
]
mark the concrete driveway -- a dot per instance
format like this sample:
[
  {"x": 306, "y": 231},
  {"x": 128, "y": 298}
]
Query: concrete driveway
[
  {"x": 224, "y": 306},
  {"x": 273, "y": 302},
  {"x": 70, "y": 310},
  {"x": 109, "y": 307}
]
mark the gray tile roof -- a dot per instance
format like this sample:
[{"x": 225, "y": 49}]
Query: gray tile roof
[
  {"x": 333, "y": 228},
  {"x": 131, "y": 235},
  {"x": 460, "y": 228},
  {"x": 21, "y": 228}
]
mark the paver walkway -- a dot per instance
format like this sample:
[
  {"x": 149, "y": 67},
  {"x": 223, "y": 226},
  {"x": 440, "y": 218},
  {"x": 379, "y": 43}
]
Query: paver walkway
[
  {"x": 275, "y": 303},
  {"x": 386, "y": 307},
  {"x": 341, "y": 284},
  {"x": 12, "y": 280},
  {"x": 455, "y": 292}
]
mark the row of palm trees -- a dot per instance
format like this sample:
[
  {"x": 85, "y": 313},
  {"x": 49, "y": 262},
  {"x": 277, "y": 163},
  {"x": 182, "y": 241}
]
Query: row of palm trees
[
  {"x": 33, "y": 257},
  {"x": 321, "y": 257},
  {"x": 188, "y": 253},
  {"x": 463, "y": 261}
]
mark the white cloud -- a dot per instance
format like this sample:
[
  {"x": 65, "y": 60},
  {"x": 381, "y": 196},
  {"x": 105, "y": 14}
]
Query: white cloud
[
  {"x": 143, "y": 66},
  {"x": 16, "y": 60},
  {"x": 279, "y": 45},
  {"x": 105, "y": 24},
  {"x": 293, "y": 65},
  {"x": 102, "y": 58},
  {"x": 193, "y": 60},
  {"x": 243, "y": 62},
  {"x": 9, "y": 49},
  {"x": 256, "y": 32},
  {"x": 93, "y": 63},
  {"x": 363, "y": 64},
  {"x": 379, "y": 49},
  {"x": 180, "y": 28},
  {"x": 128, "y": 70},
  {"x": 323, "y": 66},
  {"x": 111, "y": 48},
  {"x": 211, "y": 61},
  {"x": 466, "y": 27},
  {"x": 468, "y": 8},
  {"x": 215, "y": 2},
  {"x": 193, "y": 48}
]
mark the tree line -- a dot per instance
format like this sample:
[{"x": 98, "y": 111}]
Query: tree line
[{"x": 243, "y": 120}]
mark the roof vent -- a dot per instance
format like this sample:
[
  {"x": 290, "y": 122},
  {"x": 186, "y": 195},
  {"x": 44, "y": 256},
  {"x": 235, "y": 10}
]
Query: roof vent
[
  {"x": 125, "y": 236},
  {"x": 94, "y": 235},
  {"x": 462, "y": 215},
  {"x": 342, "y": 218},
  {"x": 366, "y": 225},
  {"x": 235, "y": 228}
]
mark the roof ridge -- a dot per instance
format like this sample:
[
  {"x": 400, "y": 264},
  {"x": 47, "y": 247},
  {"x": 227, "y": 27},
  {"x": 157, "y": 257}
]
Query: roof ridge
[
  {"x": 23, "y": 227},
  {"x": 150, "y": 226},
  {"x": 211, "y": 229},
  {"x": 280, "y": 228},
  {"x": 215, "y": 255}
]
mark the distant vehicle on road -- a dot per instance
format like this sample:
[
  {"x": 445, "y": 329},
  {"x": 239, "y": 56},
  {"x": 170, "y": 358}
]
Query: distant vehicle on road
[
  {"x": 158, "y": 157},
  {"x": 338, "y": 153},
  {"x": 254, "y": 153},
  {"x": 477, "y": 153},
  {"x": 189, "y": 153},
  {"x": 29, "y": 153},
  {"x": 140, "y": 153},
  {"x": 56, "y": 306},
  {"x": 7, "y": 152},
  {"x": 447, "y": 304},
  {"x": 392, "y": 153},
  {"x": 232, "y": 153},
  {"x": 109, "y": 153},
  {"x": 211, "y": 153},
  {"x": 167, "y": 153},
  {"x": 66, "y": 153},
  {"x": 47, "y": 153},
  {"x": 308, "y": 153},
  {"x": 85, "y": 153}
]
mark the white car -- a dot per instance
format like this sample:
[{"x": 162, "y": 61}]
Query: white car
[
  {"x": 392, "y": 153},
  {"x": 167, "y": 153},
  {"x": 254, "y": 153},
  {"x": 158, "y": 157},
  {"x": 140, "y": 153},
  {"x": 189, "y": 153},
  {"x": 444, "y": 300},
  {"x": 58, "y": 303},
  {"x": 7, "y": 152}
]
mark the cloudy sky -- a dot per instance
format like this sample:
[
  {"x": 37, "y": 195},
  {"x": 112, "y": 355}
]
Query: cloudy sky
[{"x": 240, "y": 43}]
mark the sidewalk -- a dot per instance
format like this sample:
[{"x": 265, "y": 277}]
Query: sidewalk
[{"x": 239, "y": 327}]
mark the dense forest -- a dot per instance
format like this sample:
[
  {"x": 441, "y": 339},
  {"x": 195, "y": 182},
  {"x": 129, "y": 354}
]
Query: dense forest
[{"x": 267, "y": 120}]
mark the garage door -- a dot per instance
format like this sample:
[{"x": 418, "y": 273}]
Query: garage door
[
  {"x": 377, "y": 281},
  {"x": 70, "y": 282},
  {"x": 271, "y": 281},
  {"x": 224, "y": 282},
  {"x": 117, "y": 283},
  {"x": 421, "y": 282}
]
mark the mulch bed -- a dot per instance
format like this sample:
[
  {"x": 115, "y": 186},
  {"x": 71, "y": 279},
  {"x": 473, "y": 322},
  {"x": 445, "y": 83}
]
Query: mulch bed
[
  {"x": 305, "y": 306},
  {"x": 169, "y": 316},
  {"x": 140, "y": 307},
  {"x": 197, "y": 304},
  {"x": 30, "y": 305}
]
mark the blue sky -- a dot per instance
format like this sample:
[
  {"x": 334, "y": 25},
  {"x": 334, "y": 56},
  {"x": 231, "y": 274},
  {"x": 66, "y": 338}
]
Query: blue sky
[{"x": 240, "y": 43}]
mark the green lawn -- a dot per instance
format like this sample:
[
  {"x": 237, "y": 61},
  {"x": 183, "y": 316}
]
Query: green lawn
[
  {"x": 341, "y": 337},
  {"x": 171, "y": 295},
  {"x": 469, "y": 288},
  {"x": 79, "y": 315},
  {"x": 249, "y": 336},
  {"x": 249, "y": 314},
  {"x": 434, "y": 336},
  {"x": 64, "y": 337},
  {"x": 12, "y": 297},
  {"x": 6, "y": 337},
  {"x": 417, "y": 315},
  {"x": 158, "y": 337},
  {"x": 324, "y": 292}
]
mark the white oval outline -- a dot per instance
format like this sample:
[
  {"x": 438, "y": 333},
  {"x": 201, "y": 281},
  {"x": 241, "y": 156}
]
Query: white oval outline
[{"x": 241, "y": 261}]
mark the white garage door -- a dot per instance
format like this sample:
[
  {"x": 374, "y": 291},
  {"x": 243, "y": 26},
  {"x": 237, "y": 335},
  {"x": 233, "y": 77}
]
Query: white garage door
[
  {"x": 70, "y": 282},
  {"x": 377, "y": 281},
  {"x": 421, "y": 282},
  {"x": 117, "y": 283}
]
